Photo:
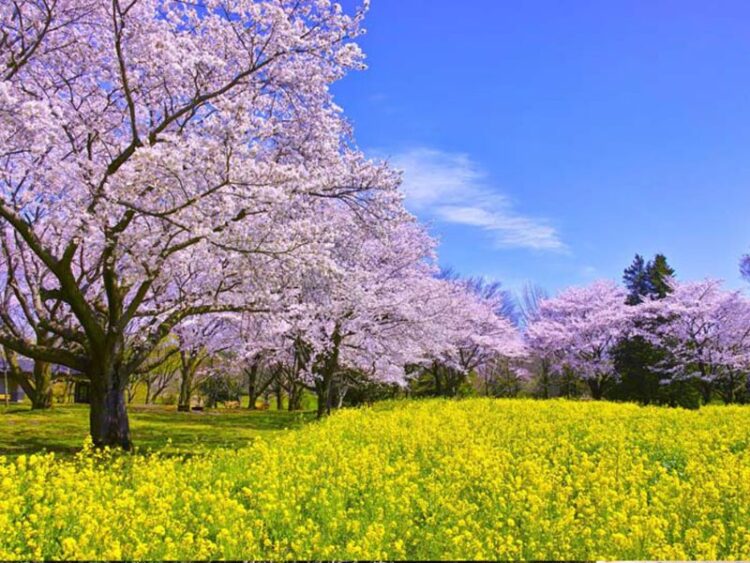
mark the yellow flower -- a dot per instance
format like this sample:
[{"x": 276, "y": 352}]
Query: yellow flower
[{"x": 507, "y": 479}]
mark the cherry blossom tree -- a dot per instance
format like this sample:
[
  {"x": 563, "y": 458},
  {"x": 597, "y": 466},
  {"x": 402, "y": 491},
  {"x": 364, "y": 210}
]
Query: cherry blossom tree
[
  {"x": 538, "y": 365},
  {"x": 160, "y": 371},
  {"x": 707, "y": 332},
  {"x": 163, "y": 160},
  {"x": 23, "y": 312},
  {"x": 366, "y": 314},
  {"x": 261, "y": 352},
  {"x": 199, "y": 339},
  {"x": 472, "y": 319},
  {"x": 579, "y": 328}
]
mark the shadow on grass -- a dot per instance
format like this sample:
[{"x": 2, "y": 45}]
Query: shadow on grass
[{"x": 64, "y": 428}]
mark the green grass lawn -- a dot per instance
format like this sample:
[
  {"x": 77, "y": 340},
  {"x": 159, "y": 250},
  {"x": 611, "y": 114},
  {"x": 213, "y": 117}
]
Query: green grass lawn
[{"x": 64, "y": 428}]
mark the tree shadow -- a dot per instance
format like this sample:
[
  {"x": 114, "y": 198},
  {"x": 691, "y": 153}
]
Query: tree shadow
[{"x": 64, "y": 428}]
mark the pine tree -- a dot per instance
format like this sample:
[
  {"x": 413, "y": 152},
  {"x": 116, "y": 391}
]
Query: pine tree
[
  {"x": 659, "y": 273},
  {"x": 636, "y": 279},
  {"x": 635, "y": 358},
  {"x": 647, "y": 279}
]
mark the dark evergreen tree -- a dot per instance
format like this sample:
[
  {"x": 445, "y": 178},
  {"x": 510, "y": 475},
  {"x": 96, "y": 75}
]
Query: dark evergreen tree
[
  {"x": 635, "y": 358},
  {"x": 636, "y": 279},
  {"x": 659, "y": 273}
]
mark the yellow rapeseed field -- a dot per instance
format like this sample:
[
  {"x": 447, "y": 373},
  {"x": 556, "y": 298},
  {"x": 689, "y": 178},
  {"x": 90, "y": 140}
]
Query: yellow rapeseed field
[{"x": 480, "y": 478}]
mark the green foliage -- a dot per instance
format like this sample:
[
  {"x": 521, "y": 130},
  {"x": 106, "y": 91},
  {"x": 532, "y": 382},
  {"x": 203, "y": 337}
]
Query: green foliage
[
  {"x": 659, "y": 273},
  {"x": 220, "y": 388},
  {"x": 168, "y": 399},
  {"x": 647, "y": 279},
  {"x": 637, "y": 361},
  {"x": 439, "y": 380},
  {"x": 681, "y": 393},
  {"x": 367, "y": 392},
  {"x": 636, "y": 279}
]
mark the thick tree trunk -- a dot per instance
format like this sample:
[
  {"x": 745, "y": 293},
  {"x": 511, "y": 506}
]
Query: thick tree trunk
[
  {"x": 545, "y": 381},
  {"x": 186, "y": 391},
  {"x": 252, "y": 387},
  {"x": 108, "y": 415},
  {"x": 705, "y": 385},
  {"x": 252, "y": 397},
  {"x": 279, "y": 397},
  {"x": 42, "y": 398},
  {"x": 321, "y": 390},
  {"x": 324, "y": 392},
  {"x": 324, "y": 385},
  {"x": 596, "y": 389},
  {"x": 341, "y": 395},
  {"x": 37, "y": 386},
  {"x": 294, "y": 397},
  {"x": 438, "y": 380}
]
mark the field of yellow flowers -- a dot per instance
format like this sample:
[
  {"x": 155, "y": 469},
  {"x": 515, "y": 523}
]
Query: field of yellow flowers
[{"x": 479, "y": 478}]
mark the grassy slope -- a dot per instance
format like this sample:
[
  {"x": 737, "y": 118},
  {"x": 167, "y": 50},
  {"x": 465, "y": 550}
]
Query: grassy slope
[{"x": 64, "y": 428}]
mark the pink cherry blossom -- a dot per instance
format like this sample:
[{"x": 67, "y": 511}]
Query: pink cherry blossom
[{"x": 579, "y": 329}]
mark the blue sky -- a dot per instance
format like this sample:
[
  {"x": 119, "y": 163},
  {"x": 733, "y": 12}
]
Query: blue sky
[{"x": 551, "y": 141}]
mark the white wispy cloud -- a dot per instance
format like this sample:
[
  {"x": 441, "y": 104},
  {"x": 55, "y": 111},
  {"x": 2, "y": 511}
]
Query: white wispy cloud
[
  {"x": 589, "y": 272},
  {"x": 450, "y": 187}
]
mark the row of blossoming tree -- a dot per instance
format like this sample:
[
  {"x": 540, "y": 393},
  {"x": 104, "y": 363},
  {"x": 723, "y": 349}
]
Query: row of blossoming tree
[
  {"x": 176, "y": 180},
  {"x": 692, "y": 337}
]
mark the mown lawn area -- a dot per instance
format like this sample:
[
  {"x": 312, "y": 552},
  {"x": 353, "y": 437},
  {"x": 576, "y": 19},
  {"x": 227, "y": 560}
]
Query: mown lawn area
[{"x": 64, "y": 428}]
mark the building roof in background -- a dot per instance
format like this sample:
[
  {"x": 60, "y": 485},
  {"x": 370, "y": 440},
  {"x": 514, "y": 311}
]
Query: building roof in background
[{"x": 27, "y": 365}]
